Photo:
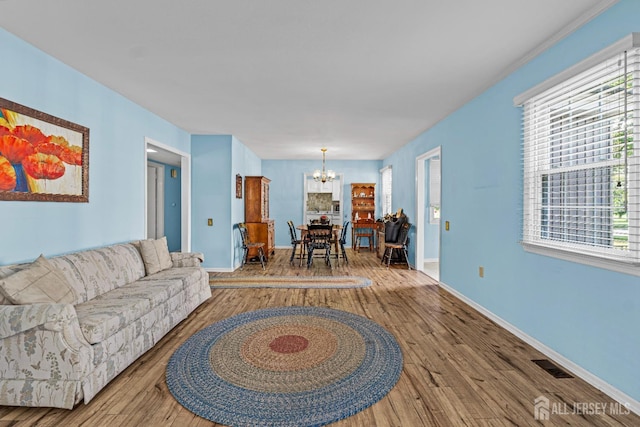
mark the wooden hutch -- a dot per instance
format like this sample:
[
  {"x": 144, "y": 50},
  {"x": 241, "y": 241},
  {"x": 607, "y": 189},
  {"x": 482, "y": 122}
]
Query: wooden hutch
[
  {"x": 363, "y": 210},
  {"x": 256, "y": 214}
]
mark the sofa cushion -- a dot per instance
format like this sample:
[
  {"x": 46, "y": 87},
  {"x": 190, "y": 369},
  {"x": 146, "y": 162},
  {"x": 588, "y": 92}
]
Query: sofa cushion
[
  {"x": 96, "y": 271},
  {"x": 108, "y": 313},
  {"x": 102, "y": 316},
  {"x": 171, "y": 311},
  {"x": 189, "y": 276},
  {"x": 38, "y": 282},
  {"x": 155, "y": 254},
  {"x": 6, "y": 271},
  {"x": 157, "y": 292},
  {"x": 187, "y": 259}
]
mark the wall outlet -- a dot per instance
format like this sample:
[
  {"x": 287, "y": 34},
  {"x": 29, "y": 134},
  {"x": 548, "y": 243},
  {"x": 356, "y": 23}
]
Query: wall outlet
[
  {"x": 210, "y": 222},
  {"x": 481, "y": 271}
]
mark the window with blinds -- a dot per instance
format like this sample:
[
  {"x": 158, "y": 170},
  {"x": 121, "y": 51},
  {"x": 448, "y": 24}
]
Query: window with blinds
[
  {"x": 385, "y": 179},
  {"x": 581, "y": 161}
]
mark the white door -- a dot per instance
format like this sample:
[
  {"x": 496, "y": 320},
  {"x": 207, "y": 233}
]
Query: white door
[
  {"x": 155, "y": 201},
  {"x": 151, "y": 202}
]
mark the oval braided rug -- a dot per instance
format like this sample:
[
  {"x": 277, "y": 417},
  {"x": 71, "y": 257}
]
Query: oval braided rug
[{"x": 286, "y": 366}]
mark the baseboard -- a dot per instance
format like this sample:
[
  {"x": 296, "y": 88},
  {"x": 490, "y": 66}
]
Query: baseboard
[
  {"x": 220, "y": 270},
  {"x": 617, "y": 395},
  {"x": 431, "y": 260}
]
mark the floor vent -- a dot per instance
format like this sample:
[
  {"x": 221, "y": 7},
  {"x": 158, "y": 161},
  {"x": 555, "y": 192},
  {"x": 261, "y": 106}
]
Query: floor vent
[{"x": 551, "y": 368}]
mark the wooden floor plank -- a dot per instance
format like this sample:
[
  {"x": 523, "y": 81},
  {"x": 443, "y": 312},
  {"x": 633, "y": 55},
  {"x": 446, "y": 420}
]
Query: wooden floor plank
[{"x": 460, "y": 368}]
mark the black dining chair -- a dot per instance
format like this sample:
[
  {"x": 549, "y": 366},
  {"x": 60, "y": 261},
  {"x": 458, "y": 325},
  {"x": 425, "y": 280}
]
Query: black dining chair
[
  {"x": 399, "y": 245},
  {"x": 295, "y": 242},
  {"x": 319, "y": 237},
  {"x": 343, "y": 240}
]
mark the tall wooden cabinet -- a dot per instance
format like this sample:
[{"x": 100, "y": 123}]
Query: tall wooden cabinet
[
  {"x": 256, "y": 214},
  {"x": 363, "y": 201},
  {"x": 363, "y": 214}
]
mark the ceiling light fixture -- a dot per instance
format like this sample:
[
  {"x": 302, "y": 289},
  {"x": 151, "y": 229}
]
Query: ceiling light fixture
[{"x": 324, "y": 175}]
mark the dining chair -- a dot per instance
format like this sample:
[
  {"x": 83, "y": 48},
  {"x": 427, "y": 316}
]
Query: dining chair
[
  {"x": 247, "y": 244},
  {"x": 295, "y": 242},
  {"x": 319, "y": 237},
  {"x": 364, "y": 228},
  {"x": 343, "y": 240},
  {"x": 399, "y": 245}
]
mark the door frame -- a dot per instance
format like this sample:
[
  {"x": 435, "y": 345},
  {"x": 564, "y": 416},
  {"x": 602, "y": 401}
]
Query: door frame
[
  {"x": 420, "y": 210},
  {"x": 185, "y": 190}
]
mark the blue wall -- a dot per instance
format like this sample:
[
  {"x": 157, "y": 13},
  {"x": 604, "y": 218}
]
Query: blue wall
[
  {"x": 586, "y": 314},
  {"x": 117, "y": 168},
  {"x": 286, "y": 191},
  {"x": 216, "y": 159},
  {"x": 246, "y": 163},
  {"x": 211, "y": 198},
  {"x": 403, "y": 185}
]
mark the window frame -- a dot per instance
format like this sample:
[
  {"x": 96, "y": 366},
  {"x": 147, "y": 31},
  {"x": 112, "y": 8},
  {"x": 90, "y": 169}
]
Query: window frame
[
  {"x": 386, "y": 200},
  {"x": 532, "y": 186}
]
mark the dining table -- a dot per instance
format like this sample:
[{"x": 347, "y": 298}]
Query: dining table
[{"x": 336, "y": 230}]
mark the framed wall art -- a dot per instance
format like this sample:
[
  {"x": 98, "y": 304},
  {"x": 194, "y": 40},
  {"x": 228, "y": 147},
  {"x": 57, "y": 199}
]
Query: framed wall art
[
  {"x": 42, "y": 157},
  {"x": 238, "y": 186}
]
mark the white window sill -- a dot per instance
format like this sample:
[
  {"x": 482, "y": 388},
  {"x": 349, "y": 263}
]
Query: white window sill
[{"x": 592, "y": 260}]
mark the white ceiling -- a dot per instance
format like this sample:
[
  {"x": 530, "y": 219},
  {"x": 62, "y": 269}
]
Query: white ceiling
[{"x": 287, "y": 77}]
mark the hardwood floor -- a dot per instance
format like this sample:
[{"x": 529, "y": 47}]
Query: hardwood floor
[{"x": 460, "y": 369}]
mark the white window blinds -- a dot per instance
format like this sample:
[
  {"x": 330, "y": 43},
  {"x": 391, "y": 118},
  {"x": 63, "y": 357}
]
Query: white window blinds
[
  {"x": 385, "y": 178},
  {"x": 581, "y": 162}
]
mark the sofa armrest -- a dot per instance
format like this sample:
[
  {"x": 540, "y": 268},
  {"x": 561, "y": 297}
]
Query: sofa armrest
[
  {"x": 44, "y": 357},
  {"x": 21, "y": 318},
  {"x": 187, "y": 259}
]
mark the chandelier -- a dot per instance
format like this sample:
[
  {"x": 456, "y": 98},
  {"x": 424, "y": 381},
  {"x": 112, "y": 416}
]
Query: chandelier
[{"x": 323, "y": 175}]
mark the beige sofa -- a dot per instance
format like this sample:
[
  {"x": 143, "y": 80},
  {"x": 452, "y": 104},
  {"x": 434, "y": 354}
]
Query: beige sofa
[{"x": 84, "y": 317}]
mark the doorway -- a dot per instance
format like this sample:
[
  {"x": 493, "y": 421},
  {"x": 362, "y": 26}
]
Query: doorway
[
  {"x": 162, "y": 153},
  {"x": 428, "y": 207}
]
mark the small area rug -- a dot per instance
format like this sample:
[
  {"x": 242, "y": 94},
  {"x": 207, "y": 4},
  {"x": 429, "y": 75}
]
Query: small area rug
[
  {"x": 289, "y": 282},
  {"x": 285, "y": 366}
]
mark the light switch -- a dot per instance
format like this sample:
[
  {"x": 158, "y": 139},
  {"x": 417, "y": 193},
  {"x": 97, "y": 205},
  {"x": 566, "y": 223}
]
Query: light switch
[{"x": 210, "y": 222}]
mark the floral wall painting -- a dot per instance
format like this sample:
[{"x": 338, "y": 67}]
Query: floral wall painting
[
  {"x": 42, "y": 158},
  {"x": 238, "y": 186}
]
